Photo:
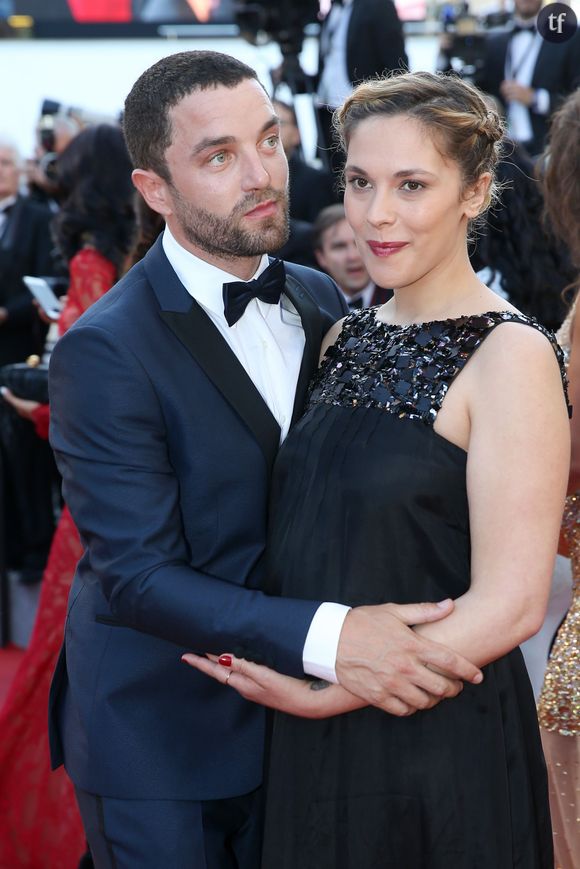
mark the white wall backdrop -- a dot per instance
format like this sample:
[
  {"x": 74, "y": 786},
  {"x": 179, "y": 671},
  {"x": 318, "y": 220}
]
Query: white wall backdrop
[{"x": 96, "y": 75}]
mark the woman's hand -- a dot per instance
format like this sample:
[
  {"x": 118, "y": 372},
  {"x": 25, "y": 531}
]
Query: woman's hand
[
  {"x": 22, "y": 406},
  {"x": 304, "y": 698},
  {"x": 46, "y": 318}
]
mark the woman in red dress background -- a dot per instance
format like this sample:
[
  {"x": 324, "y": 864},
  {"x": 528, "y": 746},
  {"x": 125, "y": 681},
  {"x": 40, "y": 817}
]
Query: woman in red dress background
[{"x": 39, "y": 822}]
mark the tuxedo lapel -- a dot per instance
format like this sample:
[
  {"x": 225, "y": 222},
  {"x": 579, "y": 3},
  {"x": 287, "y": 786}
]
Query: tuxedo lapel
[
  {"x": 204, "y": 341},
  {"x": 195, "y": 330},
  {"x": 546, "y": 62},
  {"x": 310, "y": 315}
]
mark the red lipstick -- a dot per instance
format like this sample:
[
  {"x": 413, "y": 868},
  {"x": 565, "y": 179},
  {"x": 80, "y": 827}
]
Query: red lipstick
[{"x": 386, "y": 248}]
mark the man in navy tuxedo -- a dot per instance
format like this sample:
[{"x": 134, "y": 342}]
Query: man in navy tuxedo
[{"x": 169, "y": 399}]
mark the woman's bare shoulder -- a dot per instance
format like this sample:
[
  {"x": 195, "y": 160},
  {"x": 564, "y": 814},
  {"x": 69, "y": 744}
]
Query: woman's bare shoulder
[{"x": 331, "y": 337}]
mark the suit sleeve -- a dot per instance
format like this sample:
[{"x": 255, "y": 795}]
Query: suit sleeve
[
  {"x": 109, "y": 436},
  {"x": 385, "y": 38},
  {"x": 37, "y": 260},
  {"x": 570, "y": 79},
  {"x": 491, "y": 74}
]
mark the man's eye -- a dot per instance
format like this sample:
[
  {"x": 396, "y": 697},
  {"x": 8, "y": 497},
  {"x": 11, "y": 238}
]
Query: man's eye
[
  {"x": 272, "y": 141},
  {"x": 218, "y": 159}
]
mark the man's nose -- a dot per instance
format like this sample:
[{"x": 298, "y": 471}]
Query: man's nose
[{"x": 255, "y": 176}]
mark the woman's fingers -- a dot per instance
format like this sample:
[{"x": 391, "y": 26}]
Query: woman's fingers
[
  {"x": 210, "y": 668},
  {"x": 234, "y": 676}
]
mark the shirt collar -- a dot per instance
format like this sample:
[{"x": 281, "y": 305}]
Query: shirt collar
[
  {"x": 202, "y": 280},
  {"x": 366, "y": 294},
  {"x": 524, "y": 23}
]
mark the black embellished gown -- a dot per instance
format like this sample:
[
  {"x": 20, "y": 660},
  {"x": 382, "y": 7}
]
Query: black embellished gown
[{"x": 369, "y": 505}]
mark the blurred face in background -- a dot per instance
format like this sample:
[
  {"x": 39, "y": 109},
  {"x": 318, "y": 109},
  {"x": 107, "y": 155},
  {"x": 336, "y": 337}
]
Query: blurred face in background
[
  {"x": 338, "y": 255},
  {"x": 527, "y": 8},
  {"x": 289, "y": 132},
  {"x": 9, "y": 171}
]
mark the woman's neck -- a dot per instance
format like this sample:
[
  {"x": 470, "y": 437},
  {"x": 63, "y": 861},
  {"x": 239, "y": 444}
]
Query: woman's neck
[{"x": 450, "y": 290}]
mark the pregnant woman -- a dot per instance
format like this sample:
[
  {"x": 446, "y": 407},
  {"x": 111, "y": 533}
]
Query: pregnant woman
[{"x": 431, "y": 462}]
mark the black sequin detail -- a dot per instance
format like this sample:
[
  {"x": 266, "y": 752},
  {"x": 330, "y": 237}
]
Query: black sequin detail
[{"x": 406, "y": 370}]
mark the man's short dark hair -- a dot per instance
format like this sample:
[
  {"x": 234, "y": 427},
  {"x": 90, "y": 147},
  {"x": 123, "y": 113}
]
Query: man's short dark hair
[
  {"x": 326, "y": 218},
  {"x": 146, "y": 121}
]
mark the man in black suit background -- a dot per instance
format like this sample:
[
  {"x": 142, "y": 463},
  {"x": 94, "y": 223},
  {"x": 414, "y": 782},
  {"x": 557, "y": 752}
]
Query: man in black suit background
[
  {"x": 26, "y": 508},
  {"x": 311, "y": 188},
  {"x": 359, "y": 39},
  {"x": 529, "y": 75},
  {"x": 25, "y": 249}
]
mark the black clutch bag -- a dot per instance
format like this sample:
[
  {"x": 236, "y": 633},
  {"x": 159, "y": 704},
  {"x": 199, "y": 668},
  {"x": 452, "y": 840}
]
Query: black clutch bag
[{"x": 27, "y": 380}]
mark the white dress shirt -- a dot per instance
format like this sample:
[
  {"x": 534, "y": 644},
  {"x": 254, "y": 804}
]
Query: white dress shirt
[
  {"x": 521, "y": 57},
  {"x": 268, "y": 341},
  {"x": 335, "y": 85}
]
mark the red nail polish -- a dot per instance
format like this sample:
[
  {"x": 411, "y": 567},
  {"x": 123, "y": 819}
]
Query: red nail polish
[{"x": 225, "y": 660}]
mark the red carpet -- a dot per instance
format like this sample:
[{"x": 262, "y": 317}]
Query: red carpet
[{"x": 10, "y": 657}]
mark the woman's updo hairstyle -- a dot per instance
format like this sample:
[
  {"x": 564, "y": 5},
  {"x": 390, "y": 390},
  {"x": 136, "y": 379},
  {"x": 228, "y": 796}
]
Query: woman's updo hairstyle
[{"x": 463, "y": 126}]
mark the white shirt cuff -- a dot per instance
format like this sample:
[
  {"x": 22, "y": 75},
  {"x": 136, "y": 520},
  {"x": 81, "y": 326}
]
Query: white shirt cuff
[
  {"x": 321, "y": 646},
  {"x": 542, "y": 102}
]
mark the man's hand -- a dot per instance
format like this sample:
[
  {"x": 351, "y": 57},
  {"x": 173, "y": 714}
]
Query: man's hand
[
  {"x": 514, "y": 92},
  {"x": 383, "y": 661}
]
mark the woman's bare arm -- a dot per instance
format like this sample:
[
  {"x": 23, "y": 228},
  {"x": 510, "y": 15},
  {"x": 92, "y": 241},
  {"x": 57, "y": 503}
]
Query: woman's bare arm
[{"x": 517, "y": 470}]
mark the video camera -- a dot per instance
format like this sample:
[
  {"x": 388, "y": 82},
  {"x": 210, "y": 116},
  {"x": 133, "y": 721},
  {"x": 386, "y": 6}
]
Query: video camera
[{"x": 282, "y": 21}]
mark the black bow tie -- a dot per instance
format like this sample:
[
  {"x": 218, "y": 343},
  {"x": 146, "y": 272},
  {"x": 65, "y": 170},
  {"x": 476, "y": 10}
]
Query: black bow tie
[
  {"x": 267, "y": 288},
  {"x": 523, "y": 28},
  {"x": 355, "y": 304}
]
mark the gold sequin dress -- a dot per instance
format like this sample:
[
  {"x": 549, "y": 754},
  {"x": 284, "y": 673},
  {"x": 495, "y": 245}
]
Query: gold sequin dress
[{"x": 559, "y": 703}]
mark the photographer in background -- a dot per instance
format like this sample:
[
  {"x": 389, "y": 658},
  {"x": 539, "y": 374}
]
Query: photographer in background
[
  {"x": 358, "y": 40},
  {"x": 530, "y": 75},
  {"x": 53, "y": 132}
]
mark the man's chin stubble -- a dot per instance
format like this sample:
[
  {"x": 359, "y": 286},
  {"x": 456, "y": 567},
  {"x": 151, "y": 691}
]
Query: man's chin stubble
[{"x": 270, "y": 238}]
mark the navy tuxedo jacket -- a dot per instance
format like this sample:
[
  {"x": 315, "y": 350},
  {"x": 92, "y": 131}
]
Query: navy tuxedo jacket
[
  {"x": 166, "y": 448},
  {"x": 557, "y": 70}
]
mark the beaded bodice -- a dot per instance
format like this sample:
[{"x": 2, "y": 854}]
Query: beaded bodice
[{"x": 405, "y": 370}]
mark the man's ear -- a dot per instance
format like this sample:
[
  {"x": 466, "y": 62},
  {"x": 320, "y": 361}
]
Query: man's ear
[
  {"x": 476, "y": 198},
  {"x": 154, "y": 190}
]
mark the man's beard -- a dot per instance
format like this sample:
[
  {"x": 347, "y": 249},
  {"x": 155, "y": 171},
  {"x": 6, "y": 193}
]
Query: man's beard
[{"x": 224, "y": 236}]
